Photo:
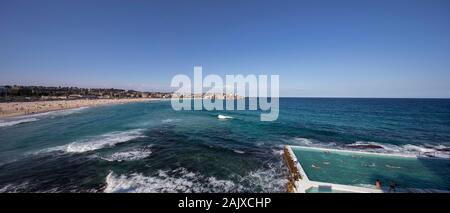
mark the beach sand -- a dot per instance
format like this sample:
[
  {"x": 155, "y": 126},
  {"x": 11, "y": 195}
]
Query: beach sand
[{"x": 13, "y": 109}]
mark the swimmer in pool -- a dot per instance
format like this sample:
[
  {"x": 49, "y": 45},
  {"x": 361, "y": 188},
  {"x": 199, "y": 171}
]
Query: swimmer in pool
[{"x": 392, "y": 186}]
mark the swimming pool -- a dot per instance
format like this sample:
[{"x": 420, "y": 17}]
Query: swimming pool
[
  {"x": 322, "y": 190},
  {"x": 363, "y": 169}
]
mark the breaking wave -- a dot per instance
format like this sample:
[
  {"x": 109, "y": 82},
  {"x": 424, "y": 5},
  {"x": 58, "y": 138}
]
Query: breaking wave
[
  {"x": 311, "y": 142},
  {"x": 277, "y": 151},
  {"x": 169, "y": 120},
  {"x": 128, "y": 155},
  {"x": 426, "y": 150},
  {"x": 238, "y": 151},
  {"x": 35, "y": 117},
  {"x": 63, "y": 112},
  {"x": 14, "y": 188},
  {"x": 99, "y": 142},
  {"x": 182, "y": 180},
  {"x": 15, "y": 122}
]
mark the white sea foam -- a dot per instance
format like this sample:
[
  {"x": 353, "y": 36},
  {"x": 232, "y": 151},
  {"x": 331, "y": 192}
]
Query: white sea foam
[
  {"x": 426, "y": 150},
  {"x": 128, "y": 155},
  {"x": 63, "y": 112},
  {"x": 179, "y": 180},
  {"x": 182, "y": 180},
  {"x": 269, "y": 179},
  {"x": 260, "y": 144},
  {"x": 414, "y": 148},
  {"x": 238, "y": 151},
  {"x": 170, "y": 120},
  {"x": 393, "y": 167},
  {"x": 303, "y": 141},
  {"x": 99, "y": 142},
  {"x": 15, "y": 122},
  {"x": 35, "y": 117},
  {"x": 60, "y": 112},
  {"x": 370, "y": 145},
  {"x": 277, "y": 151},
  {"x": 311, "y": 142},
  {"x": 14, "y": 188}
]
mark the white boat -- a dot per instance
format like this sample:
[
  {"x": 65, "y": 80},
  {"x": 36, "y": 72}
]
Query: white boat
[{"x": 224, "y": 117}]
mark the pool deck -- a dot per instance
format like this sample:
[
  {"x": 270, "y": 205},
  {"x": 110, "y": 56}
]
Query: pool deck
[{"x": 298, "y": 181}]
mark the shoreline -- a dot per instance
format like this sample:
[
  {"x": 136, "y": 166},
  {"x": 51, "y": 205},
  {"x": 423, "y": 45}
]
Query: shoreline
[{"x": 10, "y": 110}]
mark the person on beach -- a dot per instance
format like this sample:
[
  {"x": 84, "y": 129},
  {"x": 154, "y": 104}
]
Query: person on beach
[
  {"x": 378, "y": 184},
  {"x": 392, "y": 186}
]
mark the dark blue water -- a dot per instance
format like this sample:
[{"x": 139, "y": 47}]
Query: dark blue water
[{"x": 148, "y": 147}]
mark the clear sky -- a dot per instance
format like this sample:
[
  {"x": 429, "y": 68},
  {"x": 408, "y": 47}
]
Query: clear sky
[{"x": 397, "y": 48}]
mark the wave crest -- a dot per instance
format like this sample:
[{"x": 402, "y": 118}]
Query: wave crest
[
  {"x": 34, "y": 117},
  {"x": 182, "y": 180},
  {"x": 15, "y": 122},
  {"x": 128, "y": 155},
  {"x": 425, "y": 150},
  {"x": 99, "y": 142}
]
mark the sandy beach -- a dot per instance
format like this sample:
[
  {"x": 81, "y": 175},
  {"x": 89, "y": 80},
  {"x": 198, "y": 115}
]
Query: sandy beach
[{"x": 13, "y": 109}]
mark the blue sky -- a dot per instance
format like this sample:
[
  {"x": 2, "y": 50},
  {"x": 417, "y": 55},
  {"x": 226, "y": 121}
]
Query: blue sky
[{"x": 398, "y": 48}]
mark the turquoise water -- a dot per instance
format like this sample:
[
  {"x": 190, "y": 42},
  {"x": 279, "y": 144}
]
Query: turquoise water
[
  {"x": 317, "y": 190},
  {"x": 364, "y": 169},
  {"x": 148, "y": 147}
]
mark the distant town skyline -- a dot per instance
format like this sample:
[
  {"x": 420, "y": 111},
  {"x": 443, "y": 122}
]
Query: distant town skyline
[{"x": 345, "y": 48}]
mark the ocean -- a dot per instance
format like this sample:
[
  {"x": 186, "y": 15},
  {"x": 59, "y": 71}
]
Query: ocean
[{"x": 148, "y": 147}]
